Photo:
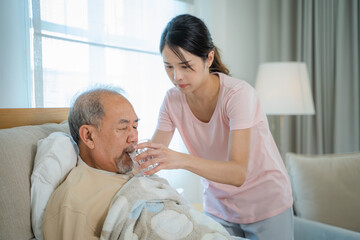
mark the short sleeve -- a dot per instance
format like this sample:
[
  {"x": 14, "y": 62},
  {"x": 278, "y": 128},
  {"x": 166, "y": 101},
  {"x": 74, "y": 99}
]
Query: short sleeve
[
  {"x": 165, "y": 122},
  {"x": 243, "y": 108}
]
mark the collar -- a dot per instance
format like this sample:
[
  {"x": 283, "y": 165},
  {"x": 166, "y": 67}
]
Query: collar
[{"x": 81, "y": 162}]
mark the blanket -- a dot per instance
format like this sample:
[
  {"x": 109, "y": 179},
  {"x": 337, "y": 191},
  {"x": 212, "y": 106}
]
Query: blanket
[{"x": 149, "y": 208}]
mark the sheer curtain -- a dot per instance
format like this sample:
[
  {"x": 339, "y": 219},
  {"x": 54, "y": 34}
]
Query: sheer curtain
[
  {"x": 327, "y": 40},
  {"x": 78, "y": 44}
]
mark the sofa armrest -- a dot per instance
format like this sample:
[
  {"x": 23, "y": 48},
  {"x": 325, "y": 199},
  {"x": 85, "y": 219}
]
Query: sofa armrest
[{"x": 305, "y": 229}]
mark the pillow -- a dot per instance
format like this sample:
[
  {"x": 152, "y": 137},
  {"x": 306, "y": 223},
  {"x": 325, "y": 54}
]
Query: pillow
[
  {"x": 326, "y": 188},
  {"x": 56, "y": 155}
]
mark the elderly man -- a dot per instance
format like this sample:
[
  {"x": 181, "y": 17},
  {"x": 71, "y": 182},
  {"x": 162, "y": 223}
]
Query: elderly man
[
  {"x": 100, "y": 197},
  {"x": 104, "y": 124}
]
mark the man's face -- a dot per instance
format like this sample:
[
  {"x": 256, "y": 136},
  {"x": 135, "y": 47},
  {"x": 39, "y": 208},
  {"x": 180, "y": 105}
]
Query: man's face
[{"x": 117, "y": 132}]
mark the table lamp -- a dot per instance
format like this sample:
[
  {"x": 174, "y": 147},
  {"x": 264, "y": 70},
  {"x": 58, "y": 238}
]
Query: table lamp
[{"x": 284, "y": 89}]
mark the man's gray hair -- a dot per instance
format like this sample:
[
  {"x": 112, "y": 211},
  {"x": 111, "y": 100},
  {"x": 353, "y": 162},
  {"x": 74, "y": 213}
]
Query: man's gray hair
[{"x": 87, "y": 109}]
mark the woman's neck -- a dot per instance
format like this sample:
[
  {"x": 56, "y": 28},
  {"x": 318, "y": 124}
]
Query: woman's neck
[
  {"x": 203, "y": 104},
  {"x": 208, "y": 91}
]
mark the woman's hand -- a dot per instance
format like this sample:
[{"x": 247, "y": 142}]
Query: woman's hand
[
  {"x": 232, "y": 172},
  {"x": 161, "y": 155}
]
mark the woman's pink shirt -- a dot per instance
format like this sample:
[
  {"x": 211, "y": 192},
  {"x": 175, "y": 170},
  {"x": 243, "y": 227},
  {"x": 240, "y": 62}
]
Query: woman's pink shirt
[{"x": 266, "y": 191}]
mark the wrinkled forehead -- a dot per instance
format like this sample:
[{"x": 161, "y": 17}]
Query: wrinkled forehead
[{"x": 118, "y": 106}]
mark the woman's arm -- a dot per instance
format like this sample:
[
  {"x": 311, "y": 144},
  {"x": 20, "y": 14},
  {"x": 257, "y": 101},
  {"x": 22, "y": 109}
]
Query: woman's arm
[
  {"x": 162, "y": 137},
  {"x": 231, "y": 172}
]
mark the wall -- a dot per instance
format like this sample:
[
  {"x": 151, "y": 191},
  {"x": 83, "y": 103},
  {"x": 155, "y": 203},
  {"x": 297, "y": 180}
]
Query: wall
[
  {"x": 233, "y": 26},
  {"x": 15, "y": 86}
]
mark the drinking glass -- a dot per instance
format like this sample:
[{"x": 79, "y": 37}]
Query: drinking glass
[{"x": 136, "y": 152}]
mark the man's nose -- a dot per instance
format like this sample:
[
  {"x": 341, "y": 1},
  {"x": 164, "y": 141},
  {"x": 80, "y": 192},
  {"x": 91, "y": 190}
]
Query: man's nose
[{"x": 133, "y": 136}]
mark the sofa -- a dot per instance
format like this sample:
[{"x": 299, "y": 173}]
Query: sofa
[
  {"x": 326, "y": 192},
  {"x": 20, "y": 130},
  {"x": 23, "y": 133},
  {"x": 326, "y": 188}
]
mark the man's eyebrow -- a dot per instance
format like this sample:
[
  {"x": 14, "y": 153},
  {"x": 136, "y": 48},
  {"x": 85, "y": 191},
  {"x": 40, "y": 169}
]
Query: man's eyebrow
[{"x": 127, "y": 121}]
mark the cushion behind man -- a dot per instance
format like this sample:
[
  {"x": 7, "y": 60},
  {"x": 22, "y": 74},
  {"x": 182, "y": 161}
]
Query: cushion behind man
[{"x": 17, "y": 153}]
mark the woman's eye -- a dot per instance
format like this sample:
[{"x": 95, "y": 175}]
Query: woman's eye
[
  {"x": 124, "y": 128},
  {"x": 135, "y": 127},
  {"x": 167, "y": 66}
]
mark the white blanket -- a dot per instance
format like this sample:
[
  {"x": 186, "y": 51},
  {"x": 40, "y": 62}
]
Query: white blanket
[{"x": 148, "y": 208}]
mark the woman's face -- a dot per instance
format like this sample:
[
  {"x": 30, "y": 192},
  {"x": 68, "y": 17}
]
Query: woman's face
[{"x": 185, "y": 79}]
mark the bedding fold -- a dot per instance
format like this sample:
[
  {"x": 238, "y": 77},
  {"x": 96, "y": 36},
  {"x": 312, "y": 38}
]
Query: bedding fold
[{"x": 149, "y": 208}]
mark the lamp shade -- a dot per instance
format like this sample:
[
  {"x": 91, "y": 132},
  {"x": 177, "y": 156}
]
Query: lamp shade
[{"x": 284, "y": 88}]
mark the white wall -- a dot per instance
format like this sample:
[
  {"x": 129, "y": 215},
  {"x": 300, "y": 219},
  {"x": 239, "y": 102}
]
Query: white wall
[
  {"x": 15, "y": 86},
  {"x": 233, "y": 26}
]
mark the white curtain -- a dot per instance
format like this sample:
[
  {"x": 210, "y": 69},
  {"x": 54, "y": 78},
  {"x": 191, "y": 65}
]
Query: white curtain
[{"x": 77, "y": 44}]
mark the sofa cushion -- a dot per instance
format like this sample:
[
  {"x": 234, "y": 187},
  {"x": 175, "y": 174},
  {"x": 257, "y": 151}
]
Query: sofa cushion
[
  {"x": 326, "y": 188},
  {"x": 312, "y": 230},
  {"x": 17, "y": 153}
]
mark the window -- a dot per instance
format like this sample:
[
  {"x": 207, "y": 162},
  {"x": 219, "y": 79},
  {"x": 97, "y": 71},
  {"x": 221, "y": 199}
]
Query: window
[{"x": 77, "y": 44}]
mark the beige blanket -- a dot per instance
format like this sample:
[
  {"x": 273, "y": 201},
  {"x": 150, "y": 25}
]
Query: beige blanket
[{"x": 149, "y": 208}]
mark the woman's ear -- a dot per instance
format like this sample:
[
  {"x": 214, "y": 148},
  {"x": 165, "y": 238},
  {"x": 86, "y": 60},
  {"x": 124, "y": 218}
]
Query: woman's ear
[
  {"x": 210, "y": 59},
  {"x": 86, "y": 133}
]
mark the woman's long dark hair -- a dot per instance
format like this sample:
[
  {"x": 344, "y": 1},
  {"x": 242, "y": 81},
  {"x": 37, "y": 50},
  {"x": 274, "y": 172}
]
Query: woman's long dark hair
[{"x": 191, "y": 34}]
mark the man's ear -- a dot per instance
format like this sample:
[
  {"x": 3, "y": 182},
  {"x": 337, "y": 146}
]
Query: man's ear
[{"x": 86, "y": 133}]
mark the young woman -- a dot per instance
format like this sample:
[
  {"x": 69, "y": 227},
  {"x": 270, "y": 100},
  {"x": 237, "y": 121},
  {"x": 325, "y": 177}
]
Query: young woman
[{"x": 246, "y": 186}]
